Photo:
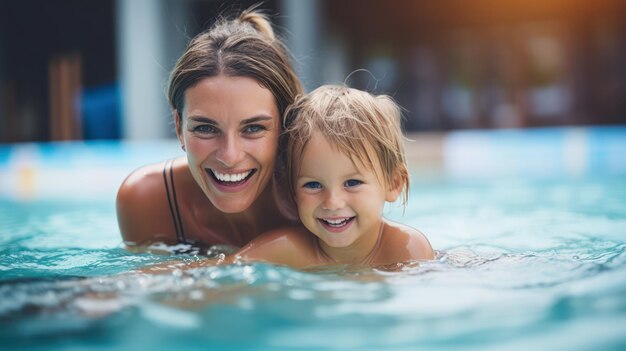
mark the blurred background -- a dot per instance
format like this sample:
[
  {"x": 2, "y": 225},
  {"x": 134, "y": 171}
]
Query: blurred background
[{"x": 98, "y": 69}]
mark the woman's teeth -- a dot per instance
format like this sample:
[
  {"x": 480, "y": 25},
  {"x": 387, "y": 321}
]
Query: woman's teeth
[{"x": 227, "y": 177}]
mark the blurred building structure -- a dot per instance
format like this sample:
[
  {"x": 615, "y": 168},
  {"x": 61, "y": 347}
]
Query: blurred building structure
[
  {"x": 74, "y": 69},
  {"x": 491, "y": 64}
]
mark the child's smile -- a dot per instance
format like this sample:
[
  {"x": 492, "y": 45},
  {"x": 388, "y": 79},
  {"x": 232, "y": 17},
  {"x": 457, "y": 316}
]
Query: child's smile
[
  {"x": 337, "y": 201},
  {"x": 336, "y": 225}
]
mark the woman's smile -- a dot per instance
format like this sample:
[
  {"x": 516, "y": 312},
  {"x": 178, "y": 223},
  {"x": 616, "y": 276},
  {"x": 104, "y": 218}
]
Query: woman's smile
[
  {"x": 230, "y": 131},
  {"x": 231, "y": 181}
]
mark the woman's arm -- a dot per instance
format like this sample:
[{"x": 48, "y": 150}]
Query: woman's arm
[{"x": 291, "y": 246}]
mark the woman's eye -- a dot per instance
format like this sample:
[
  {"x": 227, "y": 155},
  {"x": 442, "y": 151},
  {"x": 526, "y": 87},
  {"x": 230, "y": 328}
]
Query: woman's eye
[
  {"x": 204, "y": 128},
  {"x": 312, "y": 185},
  {"x": 253, "y": 128},
  {"x": 352, "y": 183}
]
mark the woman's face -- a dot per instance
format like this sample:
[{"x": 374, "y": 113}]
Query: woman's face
[{"x": 229, "y": 130}]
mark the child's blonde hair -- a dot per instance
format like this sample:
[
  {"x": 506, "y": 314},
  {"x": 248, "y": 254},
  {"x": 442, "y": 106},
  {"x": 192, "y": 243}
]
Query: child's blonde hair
[{"x": 364, "y": 126}]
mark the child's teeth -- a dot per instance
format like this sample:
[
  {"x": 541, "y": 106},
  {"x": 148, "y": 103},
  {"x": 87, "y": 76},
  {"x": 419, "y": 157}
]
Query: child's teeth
[{"x": 336, "y": 222}]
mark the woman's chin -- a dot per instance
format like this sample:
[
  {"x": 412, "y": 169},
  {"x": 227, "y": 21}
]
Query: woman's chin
[
  {"x": 232, "y": 207},
  {"x": 234, "y": 198}
]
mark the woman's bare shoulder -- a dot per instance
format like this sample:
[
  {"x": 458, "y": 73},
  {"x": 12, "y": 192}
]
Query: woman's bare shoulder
[
  {"x": 150, "y": 176},
  {"x": 142, "y": 210},
  {"x": 406, "y": 242},
  {"x": 141, "y": 185}
]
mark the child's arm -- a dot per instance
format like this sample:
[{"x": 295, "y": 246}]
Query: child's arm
[{"x": 405, "y": 243}]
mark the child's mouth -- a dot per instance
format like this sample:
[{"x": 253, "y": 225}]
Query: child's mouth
[{"x": 337, "y": 224}]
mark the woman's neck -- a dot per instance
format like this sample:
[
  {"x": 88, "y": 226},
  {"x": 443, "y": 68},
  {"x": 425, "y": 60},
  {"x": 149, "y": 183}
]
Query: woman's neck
[
  {"x": 263, "y": 215},
  {"x": 232, "y": 228}
]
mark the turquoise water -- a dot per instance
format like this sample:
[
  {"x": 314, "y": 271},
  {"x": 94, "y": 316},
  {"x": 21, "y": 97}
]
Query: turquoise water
[{"x": 523, "y": 264}]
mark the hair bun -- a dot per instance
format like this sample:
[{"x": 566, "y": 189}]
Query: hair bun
[{"x": 259, "y": 21}]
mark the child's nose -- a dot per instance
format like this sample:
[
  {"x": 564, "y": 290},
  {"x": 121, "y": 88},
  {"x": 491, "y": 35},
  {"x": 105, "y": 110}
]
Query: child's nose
[{"x": 333, "y": 200}]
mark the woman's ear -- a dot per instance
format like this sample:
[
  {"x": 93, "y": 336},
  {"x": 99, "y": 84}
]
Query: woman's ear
[
  {"x": 395, "y": 190},
  {"x": 179, "y": 131}
]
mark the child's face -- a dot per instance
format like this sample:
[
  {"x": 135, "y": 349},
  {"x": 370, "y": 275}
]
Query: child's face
[{"x": 338, "y": 202}]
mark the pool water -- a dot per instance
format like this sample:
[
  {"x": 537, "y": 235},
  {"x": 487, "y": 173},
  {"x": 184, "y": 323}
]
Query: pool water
[{"x": 523, "y": 264}]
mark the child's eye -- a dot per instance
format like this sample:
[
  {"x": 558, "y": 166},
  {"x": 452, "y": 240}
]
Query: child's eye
[
  {"x": 253, "y": 128},
  {"x": 352, "y": 183},
  {"x": 312, "y": 185}
]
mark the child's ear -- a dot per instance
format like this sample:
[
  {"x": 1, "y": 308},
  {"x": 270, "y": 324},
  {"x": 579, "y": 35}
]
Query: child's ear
[{"x": 396, "y": 189}]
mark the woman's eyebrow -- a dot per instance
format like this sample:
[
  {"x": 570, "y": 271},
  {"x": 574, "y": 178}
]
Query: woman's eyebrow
[
  {"x": 256, "y": 119},
  {"x": 202, "y": 119}
]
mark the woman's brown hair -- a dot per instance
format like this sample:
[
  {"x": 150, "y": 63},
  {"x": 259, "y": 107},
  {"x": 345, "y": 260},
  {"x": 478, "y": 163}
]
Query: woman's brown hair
[{"x": 245, "y": 46}]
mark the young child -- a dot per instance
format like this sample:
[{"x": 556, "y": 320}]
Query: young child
[{"x": 344, "y": 159}]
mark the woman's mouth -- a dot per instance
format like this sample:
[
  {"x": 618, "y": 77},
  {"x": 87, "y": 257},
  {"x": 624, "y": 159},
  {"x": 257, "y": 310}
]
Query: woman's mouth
[{"x": 230, "y": 179}]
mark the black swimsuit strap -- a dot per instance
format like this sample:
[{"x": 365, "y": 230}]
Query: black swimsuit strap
[{"x": 171, "y": 201}]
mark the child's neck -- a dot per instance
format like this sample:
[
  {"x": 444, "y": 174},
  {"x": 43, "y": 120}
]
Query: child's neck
[{"x": 361, "y": 252}]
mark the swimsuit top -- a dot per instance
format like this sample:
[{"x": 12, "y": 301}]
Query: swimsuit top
[
  {"x": 190, "y": 246},
  {"x": 168, "y": 179}
]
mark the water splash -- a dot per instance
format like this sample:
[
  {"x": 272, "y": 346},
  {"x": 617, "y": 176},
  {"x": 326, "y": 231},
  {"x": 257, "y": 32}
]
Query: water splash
[{"x": 527, "y": 267}]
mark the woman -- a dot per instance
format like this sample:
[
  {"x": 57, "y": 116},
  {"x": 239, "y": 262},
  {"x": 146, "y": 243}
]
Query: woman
[{"x": 228, "y": 93}]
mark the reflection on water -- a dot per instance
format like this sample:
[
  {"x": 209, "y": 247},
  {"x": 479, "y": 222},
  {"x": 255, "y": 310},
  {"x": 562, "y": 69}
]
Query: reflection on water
[
  {"x": 520, "y": 265},
  {"x": 459, "y": 297}
]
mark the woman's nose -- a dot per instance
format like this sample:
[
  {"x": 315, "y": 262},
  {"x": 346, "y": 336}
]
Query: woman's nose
[{"x": 229, "y": 152}]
